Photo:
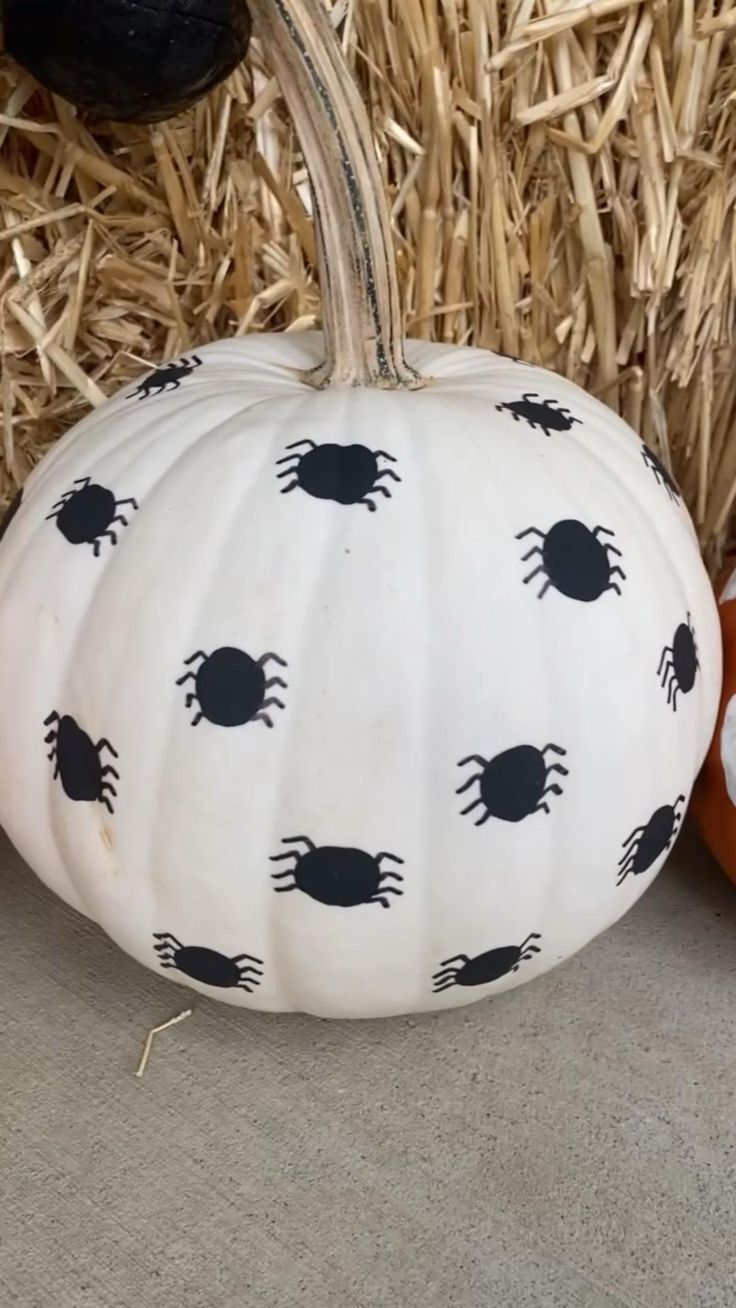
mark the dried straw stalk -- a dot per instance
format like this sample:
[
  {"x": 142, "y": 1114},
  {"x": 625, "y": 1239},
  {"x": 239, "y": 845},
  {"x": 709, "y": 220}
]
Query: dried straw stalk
[{"x": 562, "y": 179}]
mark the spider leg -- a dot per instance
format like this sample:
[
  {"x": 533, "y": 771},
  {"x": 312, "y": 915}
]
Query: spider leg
[
  {"x": 263, "y": 717},
  {"x": 200, "y": 654},
  {"x": 197, "y": 361},
  {"x": 188, "y": 676},
  {"x": 533, "y": 395},
  {"x": 368, "y": 504},
  {"x": 304, "y": 441},
  {"x": 607, "y": 530},
  {"x": 279, "y": 858},
  {"x": 623, "y": 873},
  {"x": 387, "y": 472},
  {"x": 552, "y": 789},
  {"x": 96, "y": 548},
  {"x": 276, "y": 658},
  {"x": 456, "y": 958},
  {"x": 387, "y": 890},
  {"x": 277, "y": 681},
  {"x": 168, "y": 938},
  {"x": 53, "y": 717},
  {"x": 119, "y": 503},
  {"x": 533, "y": 935},
  {"x": 272, "y": 701},
  {"x": 531, "y": 951},
  {"x": 611, "y": 549},
  {"x": 109, "y": 771},
  {"x": 529, "y": 531},
  {"x": 470, "y": 807},
  {"x": 542, "y": 807},
  {"x": 296, "y": 840},
  {"x": 536, "y": 571},
  {"x": 385, "y": 854},
  {"x": 294, "y": 485},
  {"x": 380, "y": 490},
  {"x": 480, "y": 821},
  {"x": 56, "y": 769},
  {"x": 50, "y": 739},
  {"x": 105, "y": 744},
  {"x": 378, "y": 899},
  {"x": 466, "y": 786},
  {"x": 190, "y": 699},
  {"x": 243, "y": 985},
  {"x": 107, "y": 785},
  {"x": 197, "y": 718},
  {"x": 672, "y": 695},
  {"x": 288, "y": 872},
  {"x": 287, "y": 471},
  {"x": 104, "y": 800},
  {"x": 119, "y": 518},
  {"x": 381, "y": 454},
  {"x": 282, "y": 890},
  {"x": 436, "y": 990},
  {"x": 537, "y": 549},
  {"x": 667, "y": 650},
  {"x": 112, "y": 536},
  {"x": 612, "y": 586},
  {"x": 557, "y": 767},
  {"x": 395, "y": 876},
  {"x": 473, "y": 758}
]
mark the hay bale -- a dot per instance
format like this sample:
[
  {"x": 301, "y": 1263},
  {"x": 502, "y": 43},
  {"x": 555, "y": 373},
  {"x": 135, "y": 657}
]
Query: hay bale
[{"x": 562, "y": 178}]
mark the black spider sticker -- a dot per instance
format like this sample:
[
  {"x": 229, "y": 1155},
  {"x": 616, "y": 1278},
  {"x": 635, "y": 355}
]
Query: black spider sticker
[
  {"x": 461, "y": 970},
  {"x": 10, "y": 512},
  {"x": 168, "y": 378},
  {"x": 347, "y": 474},
  {"x": 573, "y": 560},
  {"x": 87, "y": 514},
  {"x": 679, "y": 664},
  {"x": 337, "y": 875},
  {"x": 661, "y": 474},
  {"x": 646, "y": 844},
  {"x": 243, "y": 972},
  {"x": 546, "y": 415},
  {"x": 230, "y": 687},
  {"x": 77, "y": 761},
  {"x": 513, "y": 784}
]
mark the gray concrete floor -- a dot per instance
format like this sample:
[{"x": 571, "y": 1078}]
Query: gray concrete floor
[{"x": 569, "y": 1145}]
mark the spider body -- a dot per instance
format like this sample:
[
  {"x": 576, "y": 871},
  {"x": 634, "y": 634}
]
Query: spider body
[
  {"x": 544, "y": 414},
  {"x": 10, "y": 512},
  {"x": 243, "y": 972},
  {"x": 678, "y": 665},
  {"x": 230, "y": 687},
  {"x": 339, "y": 876},
  {"x": 484, "y": 968},
  {"x": 168, "y": 378},
  {"x": 661, "y": 474},
  {"x": 573, "y": 559},
  {"x": 513, "y": 784},
  {"x": 346, "y": 474},
  {"x": 86, "y": 514},
  {"x": 647, "y": 843},
  {"x": 77, "y": 761}
]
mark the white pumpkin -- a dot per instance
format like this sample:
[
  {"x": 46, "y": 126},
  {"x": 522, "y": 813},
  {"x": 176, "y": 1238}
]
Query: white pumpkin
[
  {"x": 418, "y": 625},
  {"x": 351, "y": 700}
]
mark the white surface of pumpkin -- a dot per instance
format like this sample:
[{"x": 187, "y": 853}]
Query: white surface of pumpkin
[{"x": 436, "y": 617}]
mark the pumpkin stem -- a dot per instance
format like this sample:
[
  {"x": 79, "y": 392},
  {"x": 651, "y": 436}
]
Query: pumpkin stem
[{"x": 361, "y": 310}]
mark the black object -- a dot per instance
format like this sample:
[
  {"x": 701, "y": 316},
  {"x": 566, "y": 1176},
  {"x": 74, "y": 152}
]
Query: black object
[{"x": 130, "y": 60}]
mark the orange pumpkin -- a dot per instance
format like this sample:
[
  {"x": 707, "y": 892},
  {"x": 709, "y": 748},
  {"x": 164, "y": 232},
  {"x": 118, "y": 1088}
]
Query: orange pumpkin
[{"x": 714, "y": 798}]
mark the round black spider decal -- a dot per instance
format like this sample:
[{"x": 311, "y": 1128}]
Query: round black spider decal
[
  {"x": 678, "y": 665},
  {"x": 539, "y": 413},
  {"x": 10, "y": 512},
  {"x": 167, "y": 378},
  {"x": 573, "y": 560},
  {"x": 86, "y": 515},
  {"x": 347, "y": 474},
  {"x": 645, "y": 844},
  {"x": 337, "y": 875},
  {"x": 662, "y": 475},
  {"x": 484, "y": 968},
  {"x": 243, "y": 972},
  {"x": 77, "y": 761},
  {"x": 513, "y": 784},
  {"x": 230, "y": 687}
]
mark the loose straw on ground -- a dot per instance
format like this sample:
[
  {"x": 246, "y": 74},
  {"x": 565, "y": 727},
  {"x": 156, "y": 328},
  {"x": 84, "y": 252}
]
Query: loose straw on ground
[
  {"x": 146, "y": 1052},
  {"x": 562, "y": 179}
]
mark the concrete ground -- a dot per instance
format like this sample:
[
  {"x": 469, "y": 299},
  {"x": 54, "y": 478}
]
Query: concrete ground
[{"x": 569, "y": 1145}]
